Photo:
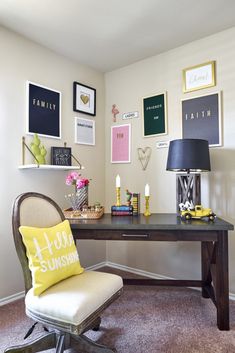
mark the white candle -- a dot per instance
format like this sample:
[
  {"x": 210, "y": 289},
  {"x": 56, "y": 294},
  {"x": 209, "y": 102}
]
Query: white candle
[
  {"x": 146, "y": 190},
  {"x": 118, "y": 181}
]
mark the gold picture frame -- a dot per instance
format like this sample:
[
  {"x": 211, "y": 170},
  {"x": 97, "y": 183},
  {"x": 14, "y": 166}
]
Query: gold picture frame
[
  {"x": 199, "y": 77},
  {"x": 154, "y": 114}
]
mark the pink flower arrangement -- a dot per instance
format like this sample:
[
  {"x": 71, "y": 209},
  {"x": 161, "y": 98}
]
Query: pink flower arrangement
[{"x": 76, "y": 179}]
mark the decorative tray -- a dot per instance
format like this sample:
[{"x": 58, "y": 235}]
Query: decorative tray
[{"x": 88, "y": 214}]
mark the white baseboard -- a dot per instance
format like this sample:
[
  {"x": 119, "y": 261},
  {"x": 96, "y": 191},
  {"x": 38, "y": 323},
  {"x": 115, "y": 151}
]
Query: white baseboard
[
  {"x": 11, "y": 298},
  {"x": 97, "y": 266},
  {"x": 231, "y": 296},
  {"x": 149, "y": 274},
  {"x": 136, "y": 271}
]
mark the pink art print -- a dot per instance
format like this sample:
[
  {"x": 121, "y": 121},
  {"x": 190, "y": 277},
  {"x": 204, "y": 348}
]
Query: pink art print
[{"x": 120, "y": 143}]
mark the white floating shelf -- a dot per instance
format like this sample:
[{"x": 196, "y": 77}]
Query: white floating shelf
[{"x": 48, "y": 166}]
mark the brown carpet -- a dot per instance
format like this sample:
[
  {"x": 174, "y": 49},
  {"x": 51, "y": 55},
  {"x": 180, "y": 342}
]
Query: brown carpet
[{"x": 143, "y": 320}]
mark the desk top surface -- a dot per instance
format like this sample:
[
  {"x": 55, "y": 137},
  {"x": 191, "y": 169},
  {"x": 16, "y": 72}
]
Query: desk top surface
[{"x": 157, "y": 221}]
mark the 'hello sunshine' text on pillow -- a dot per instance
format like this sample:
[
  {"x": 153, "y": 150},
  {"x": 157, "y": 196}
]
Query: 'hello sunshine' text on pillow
[{"x": 52, "y": 255}]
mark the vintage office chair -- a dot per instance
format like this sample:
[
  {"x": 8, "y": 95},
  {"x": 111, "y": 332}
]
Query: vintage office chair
[{"x": 90, "y": 292}]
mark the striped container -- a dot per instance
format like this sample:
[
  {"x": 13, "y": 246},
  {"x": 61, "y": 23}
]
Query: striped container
[{"x": 81, "y": 198}]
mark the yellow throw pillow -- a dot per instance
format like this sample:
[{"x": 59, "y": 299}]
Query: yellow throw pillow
[{"x": 52, "y": 254}]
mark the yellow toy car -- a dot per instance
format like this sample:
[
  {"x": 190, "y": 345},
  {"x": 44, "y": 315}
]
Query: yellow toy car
[{"x": 198, "y": 212}]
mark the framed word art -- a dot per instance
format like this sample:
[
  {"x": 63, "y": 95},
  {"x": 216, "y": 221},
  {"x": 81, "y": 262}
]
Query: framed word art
[
  {"x": 61, "y": 156},
  {"x": 154, "y": 115},
  {"x": 43, "y": 111},
  {"x": 84, "y": 131},
  {"x": 199, "y": 76},
  {"x": 121, "y": 143},
  {"x": 201, "y": 118},
  {"x": 84, "y": 99}
]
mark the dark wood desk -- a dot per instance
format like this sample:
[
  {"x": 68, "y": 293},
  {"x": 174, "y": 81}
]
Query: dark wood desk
[{"x": 168, "y": 227}]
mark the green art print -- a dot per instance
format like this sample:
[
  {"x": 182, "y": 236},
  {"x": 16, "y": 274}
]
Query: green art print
[{"x": 154, "y": 115}]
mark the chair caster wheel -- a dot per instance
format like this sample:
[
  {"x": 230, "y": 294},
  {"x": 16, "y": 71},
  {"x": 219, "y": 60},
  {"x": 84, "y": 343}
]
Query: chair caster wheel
[
  {"x": 97, "y": 325},
  {"x": 96, "y": 328}
]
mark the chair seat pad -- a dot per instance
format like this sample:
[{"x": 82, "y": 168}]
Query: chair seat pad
[{"x": 76, "y": 298}]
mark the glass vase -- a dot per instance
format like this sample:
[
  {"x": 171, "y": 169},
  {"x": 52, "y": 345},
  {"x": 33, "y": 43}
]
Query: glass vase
[{"x": 79, "y": 199}]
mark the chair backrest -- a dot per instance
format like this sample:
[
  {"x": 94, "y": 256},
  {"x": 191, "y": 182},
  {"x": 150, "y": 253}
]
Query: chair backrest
[{"x": 34, "y": 210}]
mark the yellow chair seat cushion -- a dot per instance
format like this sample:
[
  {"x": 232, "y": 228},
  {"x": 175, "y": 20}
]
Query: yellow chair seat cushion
[
  {"x": 52, "y": 255},
  {"x": 73, "y": 300}
]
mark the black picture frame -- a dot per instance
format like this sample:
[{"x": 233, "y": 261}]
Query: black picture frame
[
  {"x": 201, "y": 118},
  {"x": 84, "y": 99},
  {"x": 61, "y": 156},
  {"x": 43, "y": 110}
]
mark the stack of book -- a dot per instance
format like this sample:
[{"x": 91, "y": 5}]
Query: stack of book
[
  {"x": 122, "y": 210},
  {"x": 136, "y": 203}
]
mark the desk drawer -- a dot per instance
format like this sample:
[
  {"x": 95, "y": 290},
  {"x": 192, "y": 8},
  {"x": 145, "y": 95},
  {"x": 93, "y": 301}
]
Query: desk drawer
[{"x": 142, "y": 235}]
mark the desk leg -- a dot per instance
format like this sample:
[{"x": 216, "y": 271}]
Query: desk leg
[
  {"x": 205, "y": 264},
  {"x": 222, "y": 286}
]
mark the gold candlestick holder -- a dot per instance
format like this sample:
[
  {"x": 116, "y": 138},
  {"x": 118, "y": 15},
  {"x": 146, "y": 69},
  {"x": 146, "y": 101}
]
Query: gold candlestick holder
[
  {"x": 118, "y": 194},
  {"x": 147, "y": 212}
]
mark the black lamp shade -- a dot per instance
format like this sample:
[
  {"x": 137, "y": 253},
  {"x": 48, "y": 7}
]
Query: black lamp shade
[{"x": 188, "y": 155}]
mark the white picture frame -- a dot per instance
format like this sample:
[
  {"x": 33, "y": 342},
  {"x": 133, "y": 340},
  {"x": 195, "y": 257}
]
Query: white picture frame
[
  {"x": 121, "y": 143},
  {"x": 43, "y": 110},
  {"x": 84, "y": 131},
  {"x": 202, "y": 118}
]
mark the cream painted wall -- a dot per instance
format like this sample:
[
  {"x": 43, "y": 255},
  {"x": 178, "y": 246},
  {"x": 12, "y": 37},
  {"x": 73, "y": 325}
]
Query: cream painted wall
[
  {"x": 22, "y": 60},
  {"x": 125, "y": 87}
]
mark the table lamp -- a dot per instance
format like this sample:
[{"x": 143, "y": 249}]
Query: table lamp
[{"x": 187, "y": 156}]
